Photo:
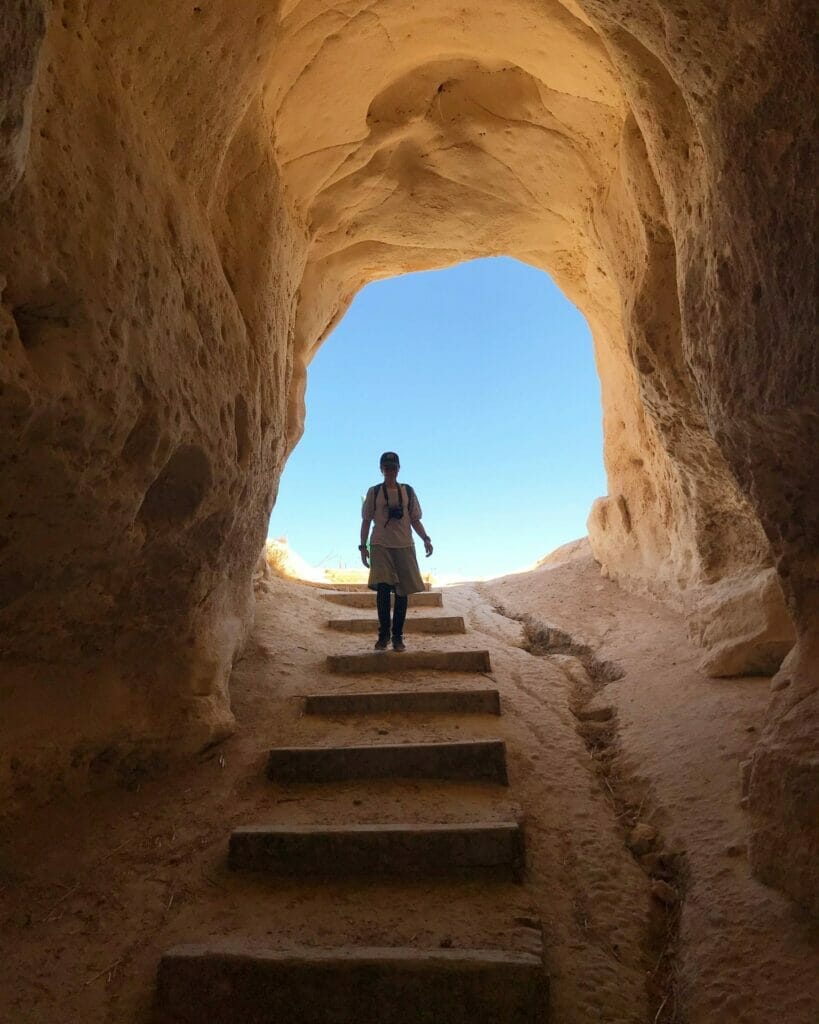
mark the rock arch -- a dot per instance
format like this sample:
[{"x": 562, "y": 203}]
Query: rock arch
[{"x": 188, "y": 207}]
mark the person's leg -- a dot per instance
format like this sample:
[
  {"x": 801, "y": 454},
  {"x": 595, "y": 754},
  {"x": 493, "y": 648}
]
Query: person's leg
[
  {"x": 382, "y": 602},
  {"x": 398, "y": 618}
]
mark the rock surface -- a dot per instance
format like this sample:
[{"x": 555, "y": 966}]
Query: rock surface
[
  {"x": 664, "y": 893},
  {"x": 188, "y": 207},
  {"x": 642, "y": 838},
  {"x": 151, "y": 861},
  {"x": 743, "y": 624}
]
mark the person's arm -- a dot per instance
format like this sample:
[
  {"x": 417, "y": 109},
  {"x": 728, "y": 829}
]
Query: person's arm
[
  {"x": 366, "y": 519},
  {"x": 362, "y": 547},
  {"x": 415, "y": 514},
  {"x": 418, "y": 526}
]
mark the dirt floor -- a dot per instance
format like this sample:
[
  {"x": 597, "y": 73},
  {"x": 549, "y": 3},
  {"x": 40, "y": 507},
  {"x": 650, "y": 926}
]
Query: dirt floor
[{"x": 623, "y": 766}]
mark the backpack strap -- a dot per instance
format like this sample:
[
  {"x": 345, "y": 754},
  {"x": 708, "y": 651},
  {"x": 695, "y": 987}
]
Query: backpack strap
[
  {"x": 374, "y": 492},
  {"x": 410, "y": 499},
  {"x": 398, "y": 487},
  {"x": 387, "y": 500}
]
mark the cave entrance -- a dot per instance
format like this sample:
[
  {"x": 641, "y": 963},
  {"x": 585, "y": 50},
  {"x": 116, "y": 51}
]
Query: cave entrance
[{"x": 482, "y": 377}]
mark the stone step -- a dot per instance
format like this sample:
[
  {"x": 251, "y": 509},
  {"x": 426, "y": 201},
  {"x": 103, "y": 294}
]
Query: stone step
[
  {"x": 414, "y": 624},
  {"x": 467, "y": 761},
  {"x": 242, "y": 982},
  {"x": 485, "y": 702},
  {"x": 351, "y": 587},
  {"x": 494, "y": 848},
  {"x": 392, "y": 661},
  {"x": 354, "y": 599}
]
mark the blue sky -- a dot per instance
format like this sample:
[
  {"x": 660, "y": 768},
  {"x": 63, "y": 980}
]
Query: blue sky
[{"x": 482, "y": 378}]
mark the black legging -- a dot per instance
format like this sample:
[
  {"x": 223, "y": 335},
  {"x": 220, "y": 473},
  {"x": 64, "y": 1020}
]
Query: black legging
[{"x": 382, "y": 601}]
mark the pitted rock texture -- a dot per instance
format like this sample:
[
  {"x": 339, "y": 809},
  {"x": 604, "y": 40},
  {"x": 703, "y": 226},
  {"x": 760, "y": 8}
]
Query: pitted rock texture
[
  {"x": 743, "y": 625},
  {"x": 192, "y": 198}
]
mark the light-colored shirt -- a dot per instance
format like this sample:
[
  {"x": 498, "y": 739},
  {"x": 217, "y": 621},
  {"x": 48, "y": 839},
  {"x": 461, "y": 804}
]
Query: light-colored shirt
[{"x": 391, "y": 533}]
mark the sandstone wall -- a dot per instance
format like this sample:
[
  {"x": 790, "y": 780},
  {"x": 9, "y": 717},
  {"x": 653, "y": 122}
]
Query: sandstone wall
[
  {"x": 193, "y": 198},
  {"x": 739, "y": 79},
  {"x": 145, "y": 378}
]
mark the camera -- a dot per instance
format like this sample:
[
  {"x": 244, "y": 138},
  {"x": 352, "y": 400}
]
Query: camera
[{"x": 396, "y": 513}]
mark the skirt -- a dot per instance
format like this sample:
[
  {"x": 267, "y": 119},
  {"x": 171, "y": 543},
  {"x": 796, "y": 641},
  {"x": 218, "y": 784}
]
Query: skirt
[{"x": 396, "y": 566}]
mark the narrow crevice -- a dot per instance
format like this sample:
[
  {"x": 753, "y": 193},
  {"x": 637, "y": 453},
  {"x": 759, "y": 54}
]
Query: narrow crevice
[
  {"x": 541, "y": 639},
  {"x": 665, "y": 868}
]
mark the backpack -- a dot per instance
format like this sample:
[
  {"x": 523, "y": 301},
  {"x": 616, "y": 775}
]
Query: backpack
[{"x": 410, "y": 495}]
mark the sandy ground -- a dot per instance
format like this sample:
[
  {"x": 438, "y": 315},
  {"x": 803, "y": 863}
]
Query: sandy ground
[{"x": 94, "y": 889}]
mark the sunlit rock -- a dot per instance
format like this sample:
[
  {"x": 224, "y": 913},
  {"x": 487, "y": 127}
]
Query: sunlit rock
[
  {"x": 743, "y": 625},
  {"x": 192, "y": 196}
]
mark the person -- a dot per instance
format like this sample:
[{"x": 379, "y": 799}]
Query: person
[{"x": 391, "y": 558}]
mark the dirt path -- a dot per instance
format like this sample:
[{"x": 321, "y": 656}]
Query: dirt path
[
  {"x": 745, "y": 955},
  {"x": 94, "y": 890}
]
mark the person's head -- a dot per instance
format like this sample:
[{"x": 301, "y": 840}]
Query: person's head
[{"x": 390, "y": 464}]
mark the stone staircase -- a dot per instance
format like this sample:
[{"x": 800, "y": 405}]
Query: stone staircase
[
  {"x": 366, "y": 599},
  {"x": 242, "y": 984},
  {"x": 390, "y": 661},
  {"x": 473, "y": 760},
  {"x": 253, "y": 982},
  {"x": 462, "y": 702},
  {"x": 416, "y": 624}
]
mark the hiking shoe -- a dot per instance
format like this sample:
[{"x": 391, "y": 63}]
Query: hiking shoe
[
  {"x": 398, "y": 643},
  {"x": 381, "y": 643}
]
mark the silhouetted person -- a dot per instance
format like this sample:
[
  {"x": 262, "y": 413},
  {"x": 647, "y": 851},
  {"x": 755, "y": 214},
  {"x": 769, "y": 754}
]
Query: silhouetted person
[{"x": 391, "y": 559}]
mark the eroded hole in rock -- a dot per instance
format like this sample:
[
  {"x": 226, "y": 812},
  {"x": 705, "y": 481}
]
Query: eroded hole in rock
[
  {"x": 241, "y": 428},
  {"x": 143, "y": 437},
  {"x": 33, "y": 323},
  {"x": 179, "y": 489}
]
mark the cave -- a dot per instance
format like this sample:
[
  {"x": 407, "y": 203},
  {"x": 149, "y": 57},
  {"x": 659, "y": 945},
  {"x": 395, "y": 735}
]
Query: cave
[{"x": 189, "y": 201}]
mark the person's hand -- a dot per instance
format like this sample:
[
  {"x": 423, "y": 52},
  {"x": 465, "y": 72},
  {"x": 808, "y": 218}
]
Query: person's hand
[
  {"x": 428, "y": 546},
  {"x": 365, "y": 556}
]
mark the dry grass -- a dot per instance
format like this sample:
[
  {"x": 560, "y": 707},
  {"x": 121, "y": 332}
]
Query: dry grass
[
  {"x": 276, "y": 558},
  {"x": 346, "y": 575},
  {"x": 283, "y": 561}
]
